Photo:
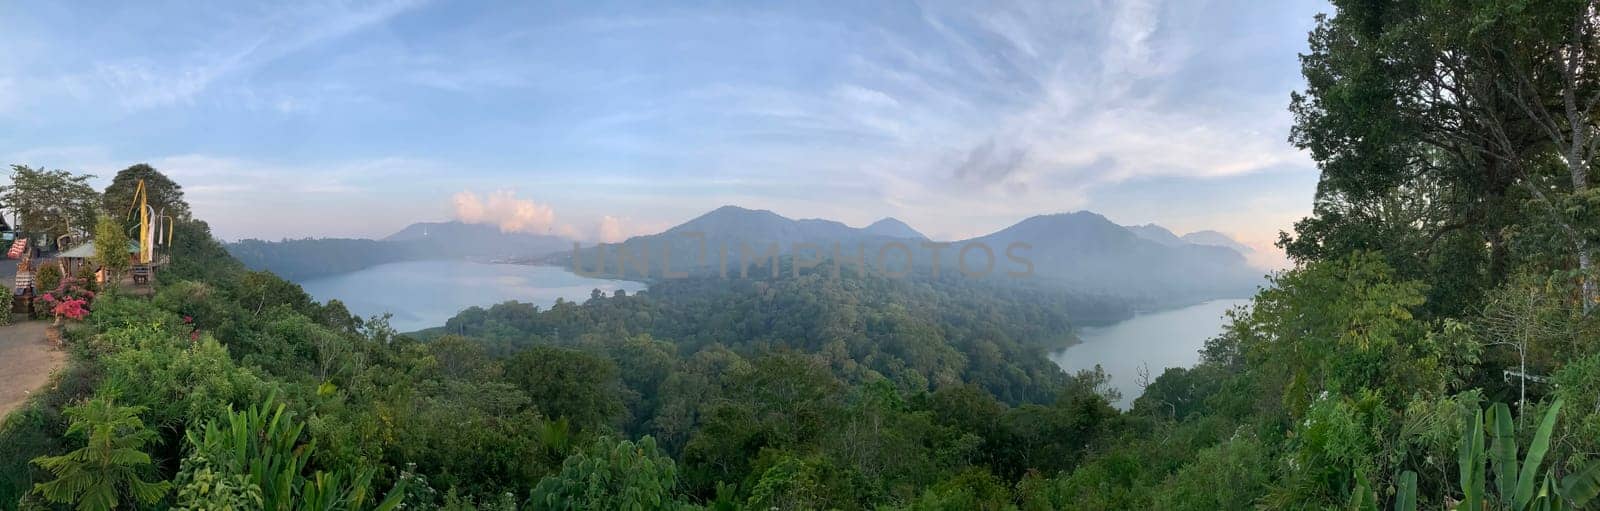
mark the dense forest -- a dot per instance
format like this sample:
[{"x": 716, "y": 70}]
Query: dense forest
[{"x": 1433, "y": 347}]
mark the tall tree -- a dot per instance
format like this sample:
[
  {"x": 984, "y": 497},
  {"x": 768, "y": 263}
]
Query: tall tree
[
  {"x": 1476, "y": 117},
  {"x": 51, "y": 202},
  {"x": 111, "y": 248},
  {"x": 1555, "y": 83},
  {"x": 160, "y": 192}
]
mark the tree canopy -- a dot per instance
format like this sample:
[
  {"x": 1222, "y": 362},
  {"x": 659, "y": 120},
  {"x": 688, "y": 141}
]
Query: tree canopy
[
  {"x": 51, "y": 202},
  {"x": 161, "y": 193}
]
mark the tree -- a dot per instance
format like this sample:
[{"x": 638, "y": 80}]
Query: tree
[
  {"x": 581, "y": 387},
  {"x": 161, "y": 192},
  {"x": 102, "y": 473},
  {"x": 51, "y": 202},
  {"x": 1480, "y": 116},
  {"x": 111, "y": 248},
  {"x": 611, "y": 475},
  {"x": 1553, "y": 63}
]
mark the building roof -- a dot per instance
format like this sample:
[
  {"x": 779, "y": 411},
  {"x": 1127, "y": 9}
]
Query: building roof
[{"x": 86, "y": 250}]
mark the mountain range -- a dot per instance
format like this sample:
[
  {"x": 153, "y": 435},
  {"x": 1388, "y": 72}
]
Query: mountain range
[{"x": 1081, "y": 251}]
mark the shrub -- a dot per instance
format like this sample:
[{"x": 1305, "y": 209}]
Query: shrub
[
  {"x": 68, "y": 300},
  {"x": 611, "y": 475},
  {"x": 260, "y": 454},
  {"x": 104, "y": 472},
  {"x": 5, "y": 305},
  {"x": 48, "y": 277},
  {"x": 85, "y": 278}
]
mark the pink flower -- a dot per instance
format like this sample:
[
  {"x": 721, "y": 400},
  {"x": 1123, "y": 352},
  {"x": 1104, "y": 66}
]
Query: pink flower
[{"x": 72, "y": 309}]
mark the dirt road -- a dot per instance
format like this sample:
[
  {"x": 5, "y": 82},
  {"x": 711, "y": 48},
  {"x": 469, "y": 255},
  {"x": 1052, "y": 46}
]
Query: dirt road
[{"x": 26, "y": 361}]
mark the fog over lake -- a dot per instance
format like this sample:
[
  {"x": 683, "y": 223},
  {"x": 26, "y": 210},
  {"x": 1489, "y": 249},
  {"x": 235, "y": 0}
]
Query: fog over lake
[
  {"x": 424, "y": 294},
  {"x": 1169, "y": 338}
]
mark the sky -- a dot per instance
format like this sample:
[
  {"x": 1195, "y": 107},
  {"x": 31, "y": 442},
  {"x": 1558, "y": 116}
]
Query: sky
[{"x": 601, "y": 120}]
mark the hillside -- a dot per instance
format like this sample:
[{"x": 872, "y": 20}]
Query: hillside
[
  {"x": 1086, "y": 251},
  {"x": 303, "y": 259},
  {"x": 1078, "y": 252}
]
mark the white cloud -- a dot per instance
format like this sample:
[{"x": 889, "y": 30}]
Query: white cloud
[{"x": 502, "y": 208}]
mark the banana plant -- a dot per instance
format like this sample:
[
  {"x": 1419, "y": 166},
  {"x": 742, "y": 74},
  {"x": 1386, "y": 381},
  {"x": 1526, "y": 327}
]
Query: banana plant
[
  {"x": 1520, "y": 483},
  {"x": 1405, "y": 497}
]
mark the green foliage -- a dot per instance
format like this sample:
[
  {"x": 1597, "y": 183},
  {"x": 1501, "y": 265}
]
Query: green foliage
[
  {"x": 47, "y": 278},
  {"x": 51, "y": 202},
  {"x": 160, "y": 192},
  {"x": 565, "y": 383},
  {"x": 1520, "y": 483},
  {"x": 111, "y": 248},
  {"x": 1246, "y": 463},
  {"x": 1345, "y": 316},
  {"x": 39, "y": 429},
  {"x": 611, "y": 474},
  {"x": 198, "y": 257},
  {"x": 7, "y": 296},
  {"x": 201, "y": 488},
  {"x": 919, "y": 334},
  {"x": 149, "y": 358},
  {"x": 107, "y": 470},
  {"x": 974, "y": 489},
  {"x": 259, "y": 454},
  {"x": 1405, "y": 498}
]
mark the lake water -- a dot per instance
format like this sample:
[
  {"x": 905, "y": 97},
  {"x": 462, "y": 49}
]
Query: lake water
[
  {"x": 424, "y": 294},
  {"x": 1157, "y": 340}
]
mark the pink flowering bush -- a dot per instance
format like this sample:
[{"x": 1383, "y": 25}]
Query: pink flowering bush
[
  {"x": 74, "y": 309},
  {"x": 68, "y": 300}
]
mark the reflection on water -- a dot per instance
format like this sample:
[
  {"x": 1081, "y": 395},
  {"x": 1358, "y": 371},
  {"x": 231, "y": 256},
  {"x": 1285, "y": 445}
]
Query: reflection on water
[
  {"x": 1156, "y": 340},
  {"x": 424, "y": 294}
]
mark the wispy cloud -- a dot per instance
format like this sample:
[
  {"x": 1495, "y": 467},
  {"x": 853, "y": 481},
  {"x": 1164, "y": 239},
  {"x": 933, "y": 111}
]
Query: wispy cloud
[{"x": 234, "y": 46}]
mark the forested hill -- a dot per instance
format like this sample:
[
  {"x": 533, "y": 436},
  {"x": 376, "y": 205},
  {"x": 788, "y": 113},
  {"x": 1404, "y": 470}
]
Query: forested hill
[
  {"x": 302, "y": 259},
  {"x": 919, "y": 334},
  {"x": 1082, "y": 253}
]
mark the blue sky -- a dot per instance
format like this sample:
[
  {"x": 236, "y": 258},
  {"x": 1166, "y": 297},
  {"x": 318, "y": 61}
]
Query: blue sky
[{"x": 599, "y": 120}]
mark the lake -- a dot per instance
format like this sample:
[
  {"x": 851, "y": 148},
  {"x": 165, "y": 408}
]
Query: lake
[
  {"x": 424, "y": 294},
  {"x": 1169, "y": 338}
]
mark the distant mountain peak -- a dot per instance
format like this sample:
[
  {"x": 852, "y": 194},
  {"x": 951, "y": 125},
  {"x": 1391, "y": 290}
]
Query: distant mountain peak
[
  {"x": 892, "y": 227},
  {"x": 1217, "y": 239},
  {"x": 732, "y": 210},
  {"x": 1157, "y": 234}
]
